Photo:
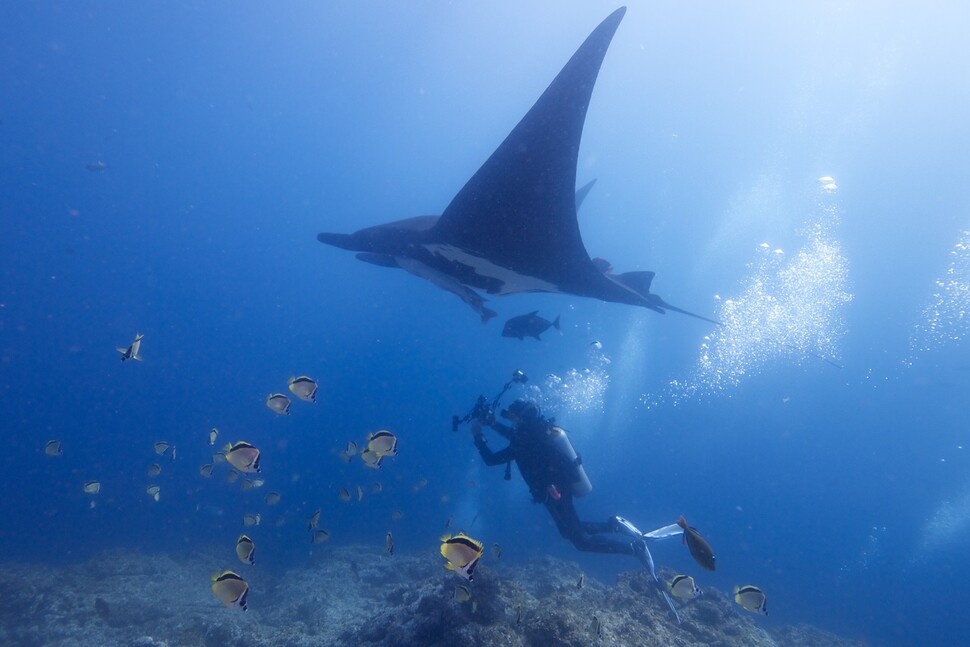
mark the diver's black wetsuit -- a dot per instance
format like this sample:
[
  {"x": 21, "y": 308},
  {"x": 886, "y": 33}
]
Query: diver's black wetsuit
[{"x": 543, "y": 469}]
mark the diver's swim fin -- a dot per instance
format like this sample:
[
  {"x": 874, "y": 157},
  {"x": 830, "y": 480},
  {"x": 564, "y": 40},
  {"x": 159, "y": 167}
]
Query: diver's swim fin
[
  {"x": 643, "y": 553},
  {"x": 673, "y": 530}
]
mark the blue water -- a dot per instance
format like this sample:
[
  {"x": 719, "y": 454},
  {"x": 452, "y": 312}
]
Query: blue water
[{"x": 233, "y": 133}]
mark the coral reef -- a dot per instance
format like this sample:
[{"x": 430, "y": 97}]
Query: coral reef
[{"x": 354, "y": 595}]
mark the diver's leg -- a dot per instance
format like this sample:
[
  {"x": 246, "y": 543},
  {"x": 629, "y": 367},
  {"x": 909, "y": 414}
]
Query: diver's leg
[{"x": 570, "y": 527}]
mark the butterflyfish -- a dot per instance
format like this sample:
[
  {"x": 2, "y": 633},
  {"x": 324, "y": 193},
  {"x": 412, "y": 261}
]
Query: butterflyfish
[
  {"x": 462, "y": 553},
  {"x": 371, "y": 459},
  {"x": 278, "y": 403},
  {"x": 347, "y": 454},
  {"x": 462, "y": 593},
  {"x": 382, "y": 443},
  {"x": 230, "y": 589},
  {"x": 683, "y": 587},
  {"x": 246, "y": 550},
  {"x": 304, "y": 388},
  {"x": 243, "y": 456},
  {"x": 751, "y": 598}
]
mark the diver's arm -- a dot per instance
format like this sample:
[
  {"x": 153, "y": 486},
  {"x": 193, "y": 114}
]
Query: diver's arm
[
  {"x": 492, "y": 458},
  {"x": 504, "y": 430}
]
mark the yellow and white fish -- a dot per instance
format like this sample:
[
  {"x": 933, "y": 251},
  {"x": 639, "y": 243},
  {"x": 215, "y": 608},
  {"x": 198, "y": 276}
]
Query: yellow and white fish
[
  {"x": 751, "y": 598},
  {"x": 462, "y": 553},
  {"x": 230, "y": 589}
]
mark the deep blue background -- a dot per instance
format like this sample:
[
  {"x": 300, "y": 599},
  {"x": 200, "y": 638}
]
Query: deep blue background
[{"x": 234, "y": 132}]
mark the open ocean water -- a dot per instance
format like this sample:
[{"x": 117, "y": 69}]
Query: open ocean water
[{"x": 797, "y": 171}]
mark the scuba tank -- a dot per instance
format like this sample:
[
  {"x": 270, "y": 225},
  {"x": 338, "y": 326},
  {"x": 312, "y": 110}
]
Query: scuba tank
[{"x": 580, "y": 485}]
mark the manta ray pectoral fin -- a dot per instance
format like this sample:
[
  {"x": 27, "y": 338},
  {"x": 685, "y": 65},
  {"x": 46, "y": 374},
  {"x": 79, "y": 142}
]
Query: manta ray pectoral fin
[{"x": 519, "y": 209}]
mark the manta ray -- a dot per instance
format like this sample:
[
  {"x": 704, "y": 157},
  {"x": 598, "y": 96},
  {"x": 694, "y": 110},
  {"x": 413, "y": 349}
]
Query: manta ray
[{"x": 513, "y": 227}]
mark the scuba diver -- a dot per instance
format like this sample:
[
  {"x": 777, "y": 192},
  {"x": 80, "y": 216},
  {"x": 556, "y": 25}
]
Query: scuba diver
[
  {"x": 542, "y": 453},
  {"x": 555, "y": 476}
]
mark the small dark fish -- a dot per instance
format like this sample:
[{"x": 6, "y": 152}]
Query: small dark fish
[
  {"x": 530, "y": 325},
  {"x": 101, "y": 608},
  {"x": 700, "y": 550},
  {"x": 389, "y": 543},
  {"x": 581, "y": 581},
  {"x": 596, "y": 627}
]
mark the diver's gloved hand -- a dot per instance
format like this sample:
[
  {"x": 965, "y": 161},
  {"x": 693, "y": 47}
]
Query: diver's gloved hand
[
  {"x": 476, "y": 428},
  {"x": 486, "y": 416}
]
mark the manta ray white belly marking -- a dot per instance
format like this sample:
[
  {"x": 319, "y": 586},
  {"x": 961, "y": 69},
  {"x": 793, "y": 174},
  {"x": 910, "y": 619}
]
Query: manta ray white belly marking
[{"x": 512, "y": 282}]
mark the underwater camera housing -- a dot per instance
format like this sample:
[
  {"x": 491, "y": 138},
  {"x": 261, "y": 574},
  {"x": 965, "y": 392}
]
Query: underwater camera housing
[{"x": 482, "y": 409}]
